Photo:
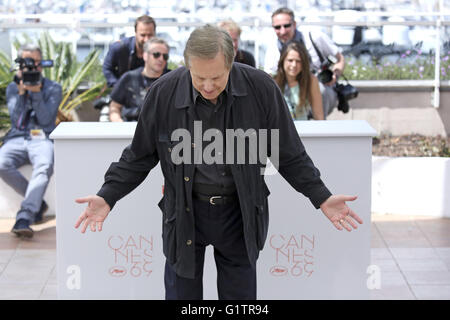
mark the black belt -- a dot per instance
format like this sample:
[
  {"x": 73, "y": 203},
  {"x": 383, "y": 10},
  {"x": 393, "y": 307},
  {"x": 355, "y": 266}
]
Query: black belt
[{"x": 216, "y": 199}]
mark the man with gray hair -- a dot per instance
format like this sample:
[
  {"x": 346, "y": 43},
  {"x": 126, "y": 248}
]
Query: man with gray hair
[
  {"x": 223, "y": 203},
  {"x": 33, "y": 103},
  {"x": 234, "y": 31},
  {"x": 129, "y": 92}
]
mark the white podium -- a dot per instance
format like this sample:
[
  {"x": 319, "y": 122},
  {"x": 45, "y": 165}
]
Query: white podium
[{"x": 304, "y": 257}]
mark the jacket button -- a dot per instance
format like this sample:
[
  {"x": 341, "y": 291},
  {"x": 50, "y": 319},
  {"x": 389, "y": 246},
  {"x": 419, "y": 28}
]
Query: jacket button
[
  {"x": 186, "y": 179},
  {"x": 188, "y": 209},
  {"x": 189, "y": 242}
]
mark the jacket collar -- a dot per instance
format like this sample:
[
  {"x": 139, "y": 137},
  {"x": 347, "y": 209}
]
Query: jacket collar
[
  {"x": 132, "y": 45},
  {"x": 184, "y": 97},
  {"x": 298, "y": 36}
]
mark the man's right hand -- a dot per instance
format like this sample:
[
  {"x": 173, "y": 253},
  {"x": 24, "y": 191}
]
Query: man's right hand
[
  {"x": 21, "y": 88},
  {"x": 115, "y": 112},
  {"x": 95, "y": 213}
]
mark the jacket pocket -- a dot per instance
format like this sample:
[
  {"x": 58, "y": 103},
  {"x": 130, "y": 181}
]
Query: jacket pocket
[
  {"x": 165, "y": 153},
  {"x": 261, "y": 224},
  {"x": 261, "y": 214},
  {"x": 168, "y": 229}
]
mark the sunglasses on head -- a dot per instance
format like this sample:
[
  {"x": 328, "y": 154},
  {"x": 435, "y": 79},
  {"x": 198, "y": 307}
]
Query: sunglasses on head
[
  {"x": 282, "y": 25},
  {"x": 156, "y": 55}
]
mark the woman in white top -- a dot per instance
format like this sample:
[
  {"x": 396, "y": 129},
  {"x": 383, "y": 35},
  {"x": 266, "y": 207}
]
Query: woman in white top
[{"x": 299, "y": 86}]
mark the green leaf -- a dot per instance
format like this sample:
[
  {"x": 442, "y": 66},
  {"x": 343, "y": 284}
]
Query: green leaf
[
  {"x": 87, "y": 95},
  {"x": 88, "y": 63}
]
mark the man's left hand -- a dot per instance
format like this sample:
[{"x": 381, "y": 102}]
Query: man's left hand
[
  {"x": 332, "y": 82},
  {"x": 336, "y": 74},
  {"x": 340, "y": 215}
]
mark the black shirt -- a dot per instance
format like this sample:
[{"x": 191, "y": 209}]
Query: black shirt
[
  {"x": 245, "y": 57},
  {"x": 130, "y": 92},
  {"x": 216, "y": 178}
]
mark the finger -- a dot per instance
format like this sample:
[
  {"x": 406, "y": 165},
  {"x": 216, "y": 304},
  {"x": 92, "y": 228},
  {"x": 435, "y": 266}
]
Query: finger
[
  {"x": 355, "y": 216},
  {"x": 85, "y": 225},
  {"x": 99, "y": 226},
  {"x": 83, "y": 200},
  {"x": 343, "y": 222},
  {"x": 349, "y": 198},
  {"x": 80, "y": 220},
  {"x": 337, "y": 225},
  {"x": 350, "y": 221},
  {"x": 93, "y": 224}
]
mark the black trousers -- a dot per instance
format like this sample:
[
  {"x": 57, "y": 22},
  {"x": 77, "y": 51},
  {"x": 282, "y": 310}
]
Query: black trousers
[{"x": 220, "y": 226}]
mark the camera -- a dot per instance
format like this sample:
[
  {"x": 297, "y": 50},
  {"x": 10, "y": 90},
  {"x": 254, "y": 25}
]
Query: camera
[
  {"x": 345, "y": 92},
  {"x": 30, "y": 75},
  {"x": 325, "y": 74}
]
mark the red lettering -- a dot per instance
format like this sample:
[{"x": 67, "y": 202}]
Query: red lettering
[
  {"x": 114, "y": 241},
  {"x": 272, "y": 244}
]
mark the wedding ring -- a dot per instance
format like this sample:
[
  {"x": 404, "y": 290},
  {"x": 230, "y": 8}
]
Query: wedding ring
[{"x": 341, "y": 221}]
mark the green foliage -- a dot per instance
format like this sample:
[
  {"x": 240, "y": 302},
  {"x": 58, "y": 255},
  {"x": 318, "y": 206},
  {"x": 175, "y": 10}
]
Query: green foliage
[
  {"x": 171, "y": 65},
  {"x": 71, "y": 74},
  {"x": 411, "y": 65},
  {"x": 4, "y": 119},
  {"x": 5, "y": 76}
]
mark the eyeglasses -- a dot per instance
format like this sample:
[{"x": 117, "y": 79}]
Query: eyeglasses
[
  {"x": 286, "y": 26},
  {"x": 156, "y": 55}
]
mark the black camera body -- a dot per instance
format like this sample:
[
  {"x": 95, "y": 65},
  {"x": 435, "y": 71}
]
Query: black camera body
[
  {"x": 325, "y": 73},
  {"x": 345, "y": 92},
  {"x": 30, "y": 75}
]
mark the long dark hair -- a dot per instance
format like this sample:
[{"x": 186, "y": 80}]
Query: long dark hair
[{"x": 303, "y": 78}]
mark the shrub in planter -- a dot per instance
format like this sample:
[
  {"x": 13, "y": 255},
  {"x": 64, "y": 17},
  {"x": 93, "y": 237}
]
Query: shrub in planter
[{"x": 411, "y": 65}]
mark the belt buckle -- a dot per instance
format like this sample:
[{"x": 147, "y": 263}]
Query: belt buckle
[{"x": 211, "y": 200}]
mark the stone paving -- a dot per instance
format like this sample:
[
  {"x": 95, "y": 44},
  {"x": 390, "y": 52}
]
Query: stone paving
[{"x": 412, "y": 252}]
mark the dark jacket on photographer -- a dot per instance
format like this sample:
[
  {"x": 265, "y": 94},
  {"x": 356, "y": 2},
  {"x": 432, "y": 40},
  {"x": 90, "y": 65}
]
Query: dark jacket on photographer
[
  {"x": 130, "y": 92},
  {"x": 33, "y": 110},
  {"x": 121, "y": 58}
]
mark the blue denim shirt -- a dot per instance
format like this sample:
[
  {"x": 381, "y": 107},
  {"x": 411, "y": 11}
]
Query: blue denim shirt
[{"x": 33, "y": 110}]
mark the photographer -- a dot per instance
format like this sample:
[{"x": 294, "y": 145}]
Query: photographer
[
  {"x": 129, "y": 92},
  {"x": 33, "y": 105},
  {"x": 127, "y": 54},
  {"x": 317, "y": 43}
]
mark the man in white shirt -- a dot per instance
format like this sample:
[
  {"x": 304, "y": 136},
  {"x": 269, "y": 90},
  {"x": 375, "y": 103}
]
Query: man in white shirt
[{"x": 285, "y": 27}]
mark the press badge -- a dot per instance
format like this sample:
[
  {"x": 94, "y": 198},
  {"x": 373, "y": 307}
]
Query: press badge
[{"x": 37, "y": 134}]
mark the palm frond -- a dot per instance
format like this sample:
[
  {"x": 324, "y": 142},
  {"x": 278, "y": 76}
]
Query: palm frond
[
  {"x": 75, "y": 81},
  {"x": 6, "y": 75},
  {"x": 88, "y": 95},
  {"x": 49, "y": 51}
]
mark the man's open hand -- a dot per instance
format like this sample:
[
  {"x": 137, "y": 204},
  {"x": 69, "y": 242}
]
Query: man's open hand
[
  {"x": 339, "y": 213},
  {"x": 94, "y": 214}
]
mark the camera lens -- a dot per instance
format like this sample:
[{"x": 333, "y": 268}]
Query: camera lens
[{"x": 325, "y": 76}]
